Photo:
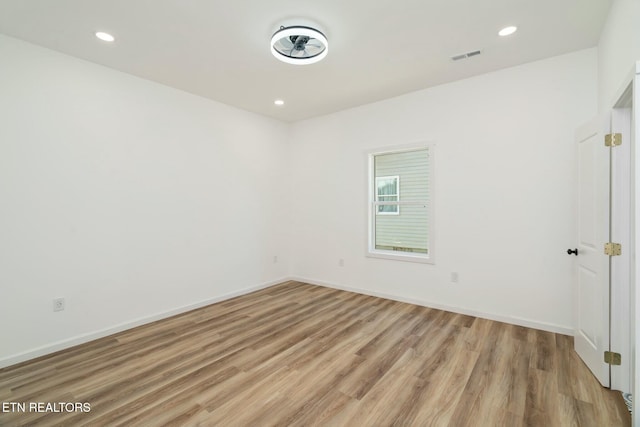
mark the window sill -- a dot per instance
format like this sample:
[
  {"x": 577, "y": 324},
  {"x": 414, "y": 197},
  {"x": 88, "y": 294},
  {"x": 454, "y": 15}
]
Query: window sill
[{"x": 422, "y": 259}]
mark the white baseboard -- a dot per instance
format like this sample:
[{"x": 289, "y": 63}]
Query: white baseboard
[
  {"x": 84, "y": 338},
  {"x": 519, "y": 321}
]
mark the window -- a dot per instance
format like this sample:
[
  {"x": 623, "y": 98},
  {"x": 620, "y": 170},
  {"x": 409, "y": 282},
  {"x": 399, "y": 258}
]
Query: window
[
  {"x": 387, "y": 188},
  {"x": 400, "y": 204}
]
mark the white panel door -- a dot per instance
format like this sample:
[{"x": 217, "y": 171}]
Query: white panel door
[{"x": 591, "y": 297}]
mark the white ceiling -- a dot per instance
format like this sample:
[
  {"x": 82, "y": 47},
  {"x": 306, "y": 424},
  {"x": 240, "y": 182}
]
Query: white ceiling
[{"x": 378, "y": 49}]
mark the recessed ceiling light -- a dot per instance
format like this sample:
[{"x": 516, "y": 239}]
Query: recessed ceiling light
[
  {"x": 105, "y": 36},
  {"x": 279, "y": 102},
  {"x": 506, "y": 31},
  {"x": 299, "y": 45}
]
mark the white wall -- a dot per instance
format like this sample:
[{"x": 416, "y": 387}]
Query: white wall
[
  {"x": 618, "y": 50},
  {"x": 133, "y": 200},
  {"x": 505, "y": 191},
  {"x": 130, "y": 199}
]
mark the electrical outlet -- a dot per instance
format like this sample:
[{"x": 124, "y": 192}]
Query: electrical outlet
[
  {"x": 341, "y": 262},
  {"x": 454, "y": 277},
  {"x": 58, "y": 304}
]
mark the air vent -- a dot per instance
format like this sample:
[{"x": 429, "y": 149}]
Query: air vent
[{"x": 465, "y": 55}]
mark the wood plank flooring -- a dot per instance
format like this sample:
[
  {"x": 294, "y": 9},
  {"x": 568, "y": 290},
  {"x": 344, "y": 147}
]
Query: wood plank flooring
[{"x": 297, "y": 354}]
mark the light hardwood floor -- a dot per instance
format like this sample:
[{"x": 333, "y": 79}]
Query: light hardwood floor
[{"x": 297, "y": 354}]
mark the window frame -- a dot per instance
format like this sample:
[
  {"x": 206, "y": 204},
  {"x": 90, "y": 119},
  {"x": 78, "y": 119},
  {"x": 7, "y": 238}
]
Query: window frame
[{"x": 371, "y": 251}]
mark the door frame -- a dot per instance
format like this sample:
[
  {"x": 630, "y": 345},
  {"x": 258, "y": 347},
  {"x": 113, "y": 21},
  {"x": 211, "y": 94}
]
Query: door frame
[
  {"x": 620, "y": 232},
  {"x": 629, "y": 92},
  {"x": 635, "y": 230}
]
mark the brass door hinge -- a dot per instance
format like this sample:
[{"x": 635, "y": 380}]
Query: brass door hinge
[
  {"x": 612, "y": 139},
  {"x": 612, "y": 358},
  {"x": 612, "y": 249}
]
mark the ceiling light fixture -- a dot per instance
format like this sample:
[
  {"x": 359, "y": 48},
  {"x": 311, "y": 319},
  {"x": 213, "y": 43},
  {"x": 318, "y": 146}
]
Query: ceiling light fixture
[
  {"x": 105, "y": 36},
  {"x": 507, "y": 31},
  {"x": 279, "y": 102},
  {"x": 299, "y": 45}
]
